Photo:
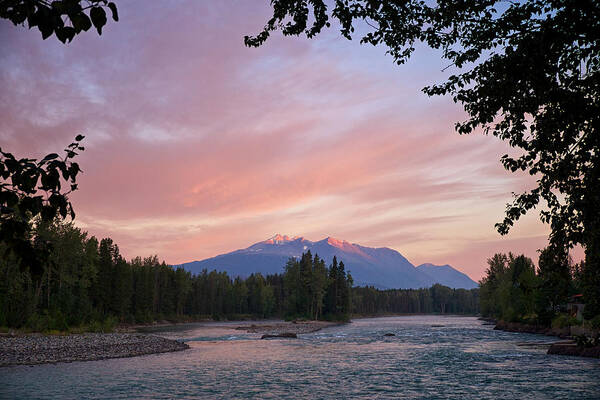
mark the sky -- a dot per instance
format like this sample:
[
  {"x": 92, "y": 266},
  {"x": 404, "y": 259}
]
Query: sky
[{"x": 197, "y": 145}]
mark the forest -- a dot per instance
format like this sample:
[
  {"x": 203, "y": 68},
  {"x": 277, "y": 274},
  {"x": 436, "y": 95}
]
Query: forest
[
  {"x": 87, "y": 284},
  {"x": 514, "y": 290}
]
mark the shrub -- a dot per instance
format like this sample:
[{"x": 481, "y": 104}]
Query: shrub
[
  {"x": 57, "y": 321},
  {"x": 109, "y": 324},
  {"x": 95, "y": 326},
  {"x": 531, "y": 318},
  {"x": 48, "y": 322},
  {"x": 143, "y": 317},
  {"x": 595, "y": 322},
  {"x": 105, "y": 326},
  {"x": 78, "y": 329},
  {"x": 510, "y": 315},
  {"x": 564, "y": 321}
]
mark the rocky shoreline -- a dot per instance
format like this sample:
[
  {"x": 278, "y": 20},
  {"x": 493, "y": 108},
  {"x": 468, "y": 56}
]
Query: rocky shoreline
[
  {"x": 43, "y": 349},
  {"x": 566, "y": 348},
  {"x": 571, "y": 349},
  {"x": 562, "y": 333}
]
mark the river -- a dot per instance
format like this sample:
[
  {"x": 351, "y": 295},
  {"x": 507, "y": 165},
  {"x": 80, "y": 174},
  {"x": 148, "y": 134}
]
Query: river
[{"x": 430, "y": 357}]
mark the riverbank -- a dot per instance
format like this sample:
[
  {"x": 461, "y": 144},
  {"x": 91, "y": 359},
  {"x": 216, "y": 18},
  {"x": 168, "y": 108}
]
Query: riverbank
[
  {"x": 563, "y": 333},
  {"x": 19, "y": 348},
  {"x": 566, "y": 332},
  {"x": 569, "y": 348},
  {"x": 390, "y": 314},
  {"x": 44, "y": 349}
]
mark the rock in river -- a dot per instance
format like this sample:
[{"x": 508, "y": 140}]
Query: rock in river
[{"x": 288, "y": 335}]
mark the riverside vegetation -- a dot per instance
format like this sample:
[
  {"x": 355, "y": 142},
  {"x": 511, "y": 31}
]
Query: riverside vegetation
[
  {"x": 525, "y": 299},
  {"x": 87, "y": 285},
  {"x": 513, "y": 290}
]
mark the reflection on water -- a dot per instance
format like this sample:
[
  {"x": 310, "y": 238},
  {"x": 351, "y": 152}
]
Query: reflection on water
[{"x": 429, "y": 357}]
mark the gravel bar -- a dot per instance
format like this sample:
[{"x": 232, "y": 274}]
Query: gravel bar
[
  {"x": 42, "y": 349},
  {"x": 296, "y": 327}
]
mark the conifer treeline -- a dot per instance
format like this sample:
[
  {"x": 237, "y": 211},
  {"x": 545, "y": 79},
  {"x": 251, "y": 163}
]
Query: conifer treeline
[
  {"x": 437, "y": 299},
  {"x": 85, "y": 281}
]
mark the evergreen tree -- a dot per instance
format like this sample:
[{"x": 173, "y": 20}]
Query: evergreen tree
[
  {"x": 318, "y": 286},
  {"x": 292, "y": 283},
  {"x": 331, "y": 294},
  {"x": 343, "y": 292},
  {"x": 305, "y": 294},
  {"x": 240, "y": 296}
]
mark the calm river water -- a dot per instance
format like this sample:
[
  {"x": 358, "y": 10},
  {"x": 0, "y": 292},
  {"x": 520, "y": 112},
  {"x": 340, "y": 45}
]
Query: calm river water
[{"x": 430, "y": 357}]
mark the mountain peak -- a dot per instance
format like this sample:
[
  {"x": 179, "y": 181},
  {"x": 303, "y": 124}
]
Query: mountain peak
[
  {"x": 336, "y": 242},
  {"x": 280, "y": 239},
  {"x": 345, "y": 246}
]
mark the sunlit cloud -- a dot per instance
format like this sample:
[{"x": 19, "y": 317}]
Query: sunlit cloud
[{"x": 196, "y": 145}]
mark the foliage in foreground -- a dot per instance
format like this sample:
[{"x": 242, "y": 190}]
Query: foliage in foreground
[
  {"x": 64, "y": 18},
  {"x": 31, "y": 189}
]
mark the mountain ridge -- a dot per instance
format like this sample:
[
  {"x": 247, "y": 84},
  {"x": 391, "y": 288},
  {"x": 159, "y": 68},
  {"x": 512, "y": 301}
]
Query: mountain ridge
[{"x": 381, "y": 267}]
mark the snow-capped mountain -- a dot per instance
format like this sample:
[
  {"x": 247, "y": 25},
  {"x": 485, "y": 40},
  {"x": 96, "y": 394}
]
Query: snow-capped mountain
[{"x": 381, "y": 267}]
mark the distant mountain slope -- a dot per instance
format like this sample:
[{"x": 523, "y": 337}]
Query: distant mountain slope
[
  {"x": 382, "y": 267},
  {"x": 448, "y": 276}
]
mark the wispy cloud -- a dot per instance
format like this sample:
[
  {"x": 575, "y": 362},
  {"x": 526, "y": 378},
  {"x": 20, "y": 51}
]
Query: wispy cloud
[{"x": 197, "y": 145}]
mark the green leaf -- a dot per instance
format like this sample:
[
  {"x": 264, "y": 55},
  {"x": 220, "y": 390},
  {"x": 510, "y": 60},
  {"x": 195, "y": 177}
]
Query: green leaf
[
  {"x": 98, "y": 16},
  {"x": 65, "y": 34},
  {"x": 32, "y": 20},
  {"x": 74, "y": 170},
  {"x": 46, "y": 31},
  {"x": 50, "y": 156},
  {"x": 58, "y": 6},
  {"x": 80, "y": 22},
  {"x": 113, "y": 9},
  {"x": 18, "y": 18}
]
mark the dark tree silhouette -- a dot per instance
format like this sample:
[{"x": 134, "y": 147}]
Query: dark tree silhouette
[
  {"x": 31, "y": 189},
  {"x": 64, "y": 18}
]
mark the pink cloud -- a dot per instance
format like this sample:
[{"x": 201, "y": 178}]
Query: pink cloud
[{"x": 196, "y": 145}]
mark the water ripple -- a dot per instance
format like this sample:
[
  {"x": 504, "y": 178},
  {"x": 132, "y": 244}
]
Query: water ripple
[{"x": 460, "y": 360}]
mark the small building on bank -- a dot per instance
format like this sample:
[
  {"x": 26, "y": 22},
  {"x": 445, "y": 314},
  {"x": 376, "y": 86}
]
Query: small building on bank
[{"x": 575, "y": 306}]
